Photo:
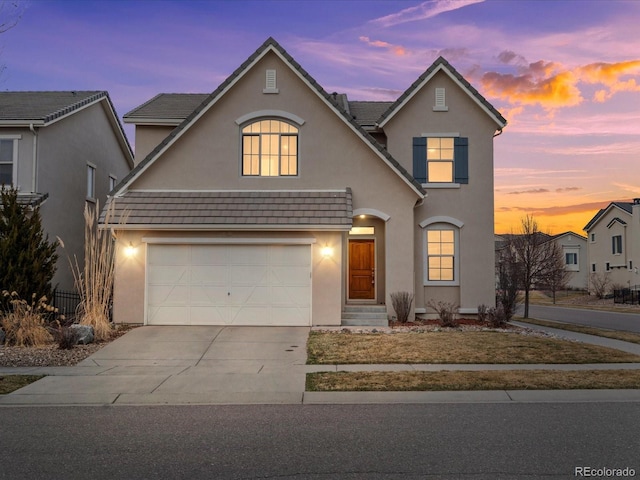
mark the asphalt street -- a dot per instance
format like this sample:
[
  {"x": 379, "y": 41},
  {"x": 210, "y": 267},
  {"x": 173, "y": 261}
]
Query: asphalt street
[
  {"x": 439, "y": 441},
  {"x": 629, "y": 322}
]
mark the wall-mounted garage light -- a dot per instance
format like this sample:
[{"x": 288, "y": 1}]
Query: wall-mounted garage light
[
  {"x": 326, "y": 251},
  {"x": 130, "y": 250}
]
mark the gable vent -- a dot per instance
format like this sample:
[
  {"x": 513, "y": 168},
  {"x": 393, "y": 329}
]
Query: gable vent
[
  {"x": 270, "y": 82},
  {"x": 440, "y": 105}
]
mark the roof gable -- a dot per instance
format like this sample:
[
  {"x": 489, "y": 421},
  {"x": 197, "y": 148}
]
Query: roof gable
[
  {"x": 41, "y": 109},
  {"x": 441, "y": 65},
  {"x": 334, "y": 103},
  {"x": 623, "y": 207}
]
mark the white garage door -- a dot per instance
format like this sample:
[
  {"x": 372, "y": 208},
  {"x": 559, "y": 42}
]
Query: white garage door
[{"x": 229, "y": 285}]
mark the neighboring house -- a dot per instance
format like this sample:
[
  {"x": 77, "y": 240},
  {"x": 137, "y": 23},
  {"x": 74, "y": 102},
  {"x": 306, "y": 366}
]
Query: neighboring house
[
  {"x": 574, "y": 252},
  {"x": 273, "y": 202},
  {"x": 613, "y": 243},
  {"x": 62, "y": 150}
]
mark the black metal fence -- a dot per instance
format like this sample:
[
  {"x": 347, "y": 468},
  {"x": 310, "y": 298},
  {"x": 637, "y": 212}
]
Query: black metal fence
[
  {"x": 627, "y": 295},
  {"x": 66, "y": 303}
]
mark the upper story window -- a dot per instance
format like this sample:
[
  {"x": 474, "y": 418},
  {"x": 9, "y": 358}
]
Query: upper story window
[
  {"x": 269, "y": 149},
  {"x": 441, "y": 159},
  {"x": 113, "y": 181},
  {"x": 571, "y": 259},
  {"x": 7, "y": 168},
  {"x": 616, "y": 244}
]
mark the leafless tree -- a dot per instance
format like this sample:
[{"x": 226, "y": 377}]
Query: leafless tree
[
  {"x": 600, "y": 283},
  {"x": 536, "y": 256},
  {"x": 556, "y": 276},
  {"x": 508, "y": 280}
]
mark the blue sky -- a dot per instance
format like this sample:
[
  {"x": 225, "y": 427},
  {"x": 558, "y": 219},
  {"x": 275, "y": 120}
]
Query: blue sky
[{"x": 565, "y": 73}]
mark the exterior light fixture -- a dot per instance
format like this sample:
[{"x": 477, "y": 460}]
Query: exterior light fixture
[
  {"x": 130, "y": 250},
  {"x": 326, "y": 251}
]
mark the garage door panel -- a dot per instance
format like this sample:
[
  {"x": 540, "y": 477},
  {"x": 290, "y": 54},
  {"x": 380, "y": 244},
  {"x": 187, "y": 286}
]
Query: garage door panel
[
  {"x": 290, "y": 276},
  {"x": 167, "y": 315},
  {"x": 168, "y": 295},
  {"x": 208, "y": 295},
  {"x": 289, "y": 255},
  {"x": 248, "y": 275},
  {"x": 209, "y": 315},
  {"x": 205, "y": 255},
  {"x": 289, "y": 296},
  {"x": 209, "y": 274},
  {"x": 168, "y": 255},
  {"x": 229, "y": 285},
  {"x": 248, "y": 254},
  {"x": 169, "y": 274}
]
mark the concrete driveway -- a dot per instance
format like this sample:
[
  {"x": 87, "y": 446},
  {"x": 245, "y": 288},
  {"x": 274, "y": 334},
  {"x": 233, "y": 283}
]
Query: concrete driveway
[{"x": 182, "y": 365}]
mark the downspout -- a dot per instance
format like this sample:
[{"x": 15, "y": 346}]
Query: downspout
[{"x": 34, "y": 176}]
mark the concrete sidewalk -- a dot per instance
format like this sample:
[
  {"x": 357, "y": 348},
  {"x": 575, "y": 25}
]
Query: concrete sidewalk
[{"x": 251, "y": 365}]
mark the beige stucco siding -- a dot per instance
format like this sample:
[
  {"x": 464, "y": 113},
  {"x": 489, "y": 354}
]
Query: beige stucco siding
[
  {"x": 331, "y": 156},
  {"x": 147, "y": 138},
  {"x": 470, "y": 204},
  {"x": 601, "y": 252},
  {"x": 64, "y": 149},
  {"x": 326, "y": 280}
]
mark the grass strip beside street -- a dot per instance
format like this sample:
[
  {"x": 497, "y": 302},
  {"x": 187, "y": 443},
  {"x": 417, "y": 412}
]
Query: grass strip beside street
[
  {"x": 335, "y": 348},
  {"x": 600, "y": 332},
  {"x": 11, "y": 383},
  {"x": 478, "y": 380}
]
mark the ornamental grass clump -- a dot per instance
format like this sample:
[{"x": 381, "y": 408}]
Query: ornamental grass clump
[
  {"x": 94, "y": 280},
  {"x": 401, "y": 302},
  {"x": 24, "y": 323}
]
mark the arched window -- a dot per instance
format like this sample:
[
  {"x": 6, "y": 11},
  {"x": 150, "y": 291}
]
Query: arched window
[
  {"x": 269, "y": 149},
  {"x": 441, "y": 250}
]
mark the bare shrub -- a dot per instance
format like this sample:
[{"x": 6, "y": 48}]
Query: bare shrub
[
  {"x": 24, "y": 323},
  {"x": 401, "y": 302},
  {"x": 447, "y": 312},
  {"x": 483, "y": 311},
  {"x": 497, "y": 317},
  {"x": 600, "y": 284}
]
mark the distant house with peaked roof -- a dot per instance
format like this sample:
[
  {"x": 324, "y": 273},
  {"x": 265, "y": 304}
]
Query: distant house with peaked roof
[
  {"x": 273, "y": 202},
  {"x": 61, "y": 150},
  {"x": 613, "y": 243}
]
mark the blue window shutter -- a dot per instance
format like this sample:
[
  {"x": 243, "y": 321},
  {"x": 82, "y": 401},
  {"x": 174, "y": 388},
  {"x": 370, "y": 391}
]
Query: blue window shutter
[
  {"x": 420, "y": 159},
  {"x": 461, "y": 162}
]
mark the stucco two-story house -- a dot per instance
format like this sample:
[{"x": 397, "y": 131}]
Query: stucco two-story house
[
  {"x": 273, "y": 202},
  {"x": 61, "y": 150},
  {"x": 613, "y": 243},
  {"x": 574, "y": 253}
]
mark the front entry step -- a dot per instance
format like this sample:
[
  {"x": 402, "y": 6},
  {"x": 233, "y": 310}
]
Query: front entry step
[{"x": 365, "y": 315}]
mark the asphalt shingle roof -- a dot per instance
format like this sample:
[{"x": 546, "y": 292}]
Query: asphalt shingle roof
[
  {"x": 290, "y": 209},
  {"x": 368, "y": 113},
  {"x": 44, "y": 106}
]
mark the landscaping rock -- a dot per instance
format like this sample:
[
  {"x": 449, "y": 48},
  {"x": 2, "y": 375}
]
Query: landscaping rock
[{"x": 84, "y": 333}]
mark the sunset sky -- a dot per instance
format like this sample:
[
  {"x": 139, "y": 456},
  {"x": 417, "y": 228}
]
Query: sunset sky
[{"x": 565, "y": 74}]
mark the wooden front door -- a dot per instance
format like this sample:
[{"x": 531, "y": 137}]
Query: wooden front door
[{"x": 362, "y": 281}]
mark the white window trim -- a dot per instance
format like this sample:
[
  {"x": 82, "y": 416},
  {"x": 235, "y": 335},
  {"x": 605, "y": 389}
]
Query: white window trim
[
  {"x": 256, "y": 117},
  {"x": 91, "y": 198},
  {"x": 441, "y": 222},
  {"x": 14, "y": 170},
  {"x": 112, "y": 180}
]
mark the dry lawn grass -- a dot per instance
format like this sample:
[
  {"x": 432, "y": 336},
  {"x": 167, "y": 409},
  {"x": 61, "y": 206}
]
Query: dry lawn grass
[
  {"x": 616, "y": 335},
  {"x": 454, "y": 347},
  {"x": 480, "y": 380},
  {"x": 11, "y": 383}
]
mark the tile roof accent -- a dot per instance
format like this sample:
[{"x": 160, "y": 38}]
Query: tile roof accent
[
  {"x": 624, "y": 206},
  {"x": 166, "y": 107},
  {"x": 271, "y": 43},
  {"x": 440, "y": 63},
  {"x": 291, "y": 210},
  {"x": 44, "y": 106}
]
